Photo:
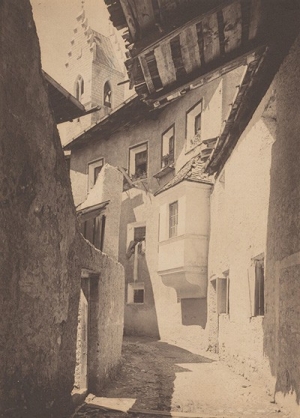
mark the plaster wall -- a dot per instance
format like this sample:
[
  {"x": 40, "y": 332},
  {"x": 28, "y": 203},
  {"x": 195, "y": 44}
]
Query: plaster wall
[
  {"x": 108, "y": 187},
  {"x": 239, "y": 218},
  {"x": 139, "y": 206},
  {"x": 106, "y": 307},
  {"x": 115, "y": 149}
]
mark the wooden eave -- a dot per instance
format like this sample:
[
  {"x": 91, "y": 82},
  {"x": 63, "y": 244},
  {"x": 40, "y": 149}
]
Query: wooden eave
[
  {"x": 65, "y": 106},
  {"x": 255, "y": 84},
  {"x": 207, "y": 43}
]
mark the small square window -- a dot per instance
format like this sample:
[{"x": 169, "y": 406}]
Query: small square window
[
  {"x": 136, "y": 293},
  {"x": 138, "y": 162},
  {"x": 173, "y": 219},
  {"x": 139, "y": 233}
]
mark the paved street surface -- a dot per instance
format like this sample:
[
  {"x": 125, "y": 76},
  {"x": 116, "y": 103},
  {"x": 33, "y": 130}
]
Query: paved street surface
[{"x": 160, "y": 380}]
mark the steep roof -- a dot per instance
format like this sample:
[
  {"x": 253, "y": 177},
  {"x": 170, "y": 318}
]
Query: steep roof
[
  {"x": 104, "y": 50},
  {"x": 193, "y": 171}
]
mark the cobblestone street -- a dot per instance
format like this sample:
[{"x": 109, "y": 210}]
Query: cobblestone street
[{"x": 158, "y": 379}]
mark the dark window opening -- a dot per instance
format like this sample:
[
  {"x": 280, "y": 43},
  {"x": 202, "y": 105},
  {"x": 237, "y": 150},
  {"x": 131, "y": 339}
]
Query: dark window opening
[
  {"x": 79, "y": 87},
  {"x": 259, "y": 306},
  {"x": 97, "y": 172},
  {"x": 139, "y": 233},
  {"x": 138, "y": 295},
  {"x": 107, "y": 94},
  {"x": 223, "y": 295},
  {"x": 141, "y": 164},
  {"x": 197, "y": 123}
]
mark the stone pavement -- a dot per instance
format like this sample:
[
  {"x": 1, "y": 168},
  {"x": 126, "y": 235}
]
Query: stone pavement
[{"x": 164, "y": 380}]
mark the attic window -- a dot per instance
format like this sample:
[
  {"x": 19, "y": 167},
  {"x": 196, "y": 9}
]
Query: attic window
[
  {"x": 107, "y": 94},
  {"x": 79, "y": 87}
]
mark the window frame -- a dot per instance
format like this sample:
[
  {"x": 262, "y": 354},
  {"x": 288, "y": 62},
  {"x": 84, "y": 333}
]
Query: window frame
[
  {"x": 190, "y": 125},
  {"x": 131, "y": 287},
  {"x": 163, "y": 136},
  {"x": 173, "y": 227},
  {"x": 133, "y": 151},
  {"x": 223, "y": 294},
  {"x": 109, "y": 103},
  {"x": 79, "y": 87},
  {"x": 259, "y": 287},
  {"x": 92, "y": 165}
]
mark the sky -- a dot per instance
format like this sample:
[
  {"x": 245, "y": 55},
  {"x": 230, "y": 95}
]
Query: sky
[{"x": 55, "y": 21}]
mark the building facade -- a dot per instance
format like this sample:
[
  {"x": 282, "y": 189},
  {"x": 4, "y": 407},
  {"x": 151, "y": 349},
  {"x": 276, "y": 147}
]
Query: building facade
[{"x": 161, "y": 156}]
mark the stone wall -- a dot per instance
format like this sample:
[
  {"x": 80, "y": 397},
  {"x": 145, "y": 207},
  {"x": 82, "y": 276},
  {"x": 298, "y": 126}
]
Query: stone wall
[
  {"x": 281, "y": 325},
  {"x": 41, "y": 251}
]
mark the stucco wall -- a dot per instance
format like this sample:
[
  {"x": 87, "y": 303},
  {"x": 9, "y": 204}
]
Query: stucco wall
[
  {"x": 282, "y": 333},
  {"x": 41, "y": 253},
  {"x": 106, "y": 314},
  {"x": 239, "y": 218},
  {"x": 115, "y": 150}
]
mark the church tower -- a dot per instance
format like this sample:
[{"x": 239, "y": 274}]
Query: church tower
[{"x": 93, "y": 74}]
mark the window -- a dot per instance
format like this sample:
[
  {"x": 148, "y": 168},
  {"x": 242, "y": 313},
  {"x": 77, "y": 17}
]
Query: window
[
  {"x": 173, "y": 219},
  {"x": 193, "y": 125},
  {"x": 197, "y": 124},
  {"x": 94, "y": 169},
  {"x": 79, "y": 87},
  {"x": 138, "y": 162},
  {"x": 168, "y": 143},
  {"x": 93, "y": 229},
  {"x": 259, "y": 301},
  {"x": 139, "y": 233},
  {"x": 136, "y": 292},
  {"x": 107, "y": 94},
  {"x": 223, "y": 294}
]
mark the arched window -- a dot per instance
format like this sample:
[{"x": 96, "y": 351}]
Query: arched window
[
  {"x": 107, "y": 94},
  {"x": 79, "y": 87}
]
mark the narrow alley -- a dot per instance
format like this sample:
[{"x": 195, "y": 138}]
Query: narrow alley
[{"x": 159, "y": 379}]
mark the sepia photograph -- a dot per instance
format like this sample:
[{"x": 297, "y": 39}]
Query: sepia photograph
[{"x": 150, "y": 208}]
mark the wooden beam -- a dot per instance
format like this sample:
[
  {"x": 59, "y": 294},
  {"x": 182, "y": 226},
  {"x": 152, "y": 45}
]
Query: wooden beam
[
  {"x": 190, "y": 48},
  {"x": 211, "y": 37},
  {"x": 165, "y": 64},
  {"x": 132, "y": 23},
  {"x": 146, "y": 72},
  {"x": 232, "y": 26},
  {"x": 215, "y": 70}
]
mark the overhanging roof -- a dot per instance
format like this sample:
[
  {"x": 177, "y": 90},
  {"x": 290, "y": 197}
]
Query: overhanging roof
[
  {"x": 283, "y": 28},
  {"x": 200, "y": 48},
  {"x": 65, "y": 106},
  {"x": 129, "y": 113}
]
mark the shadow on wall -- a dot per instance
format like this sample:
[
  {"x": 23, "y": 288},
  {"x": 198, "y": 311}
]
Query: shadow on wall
[
  {"x": 140, "y": 313},
  {"x": 194, "y": 312}
]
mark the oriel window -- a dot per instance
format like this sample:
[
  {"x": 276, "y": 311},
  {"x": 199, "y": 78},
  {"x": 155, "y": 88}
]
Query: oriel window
[{"x": 173, "y": 219}]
